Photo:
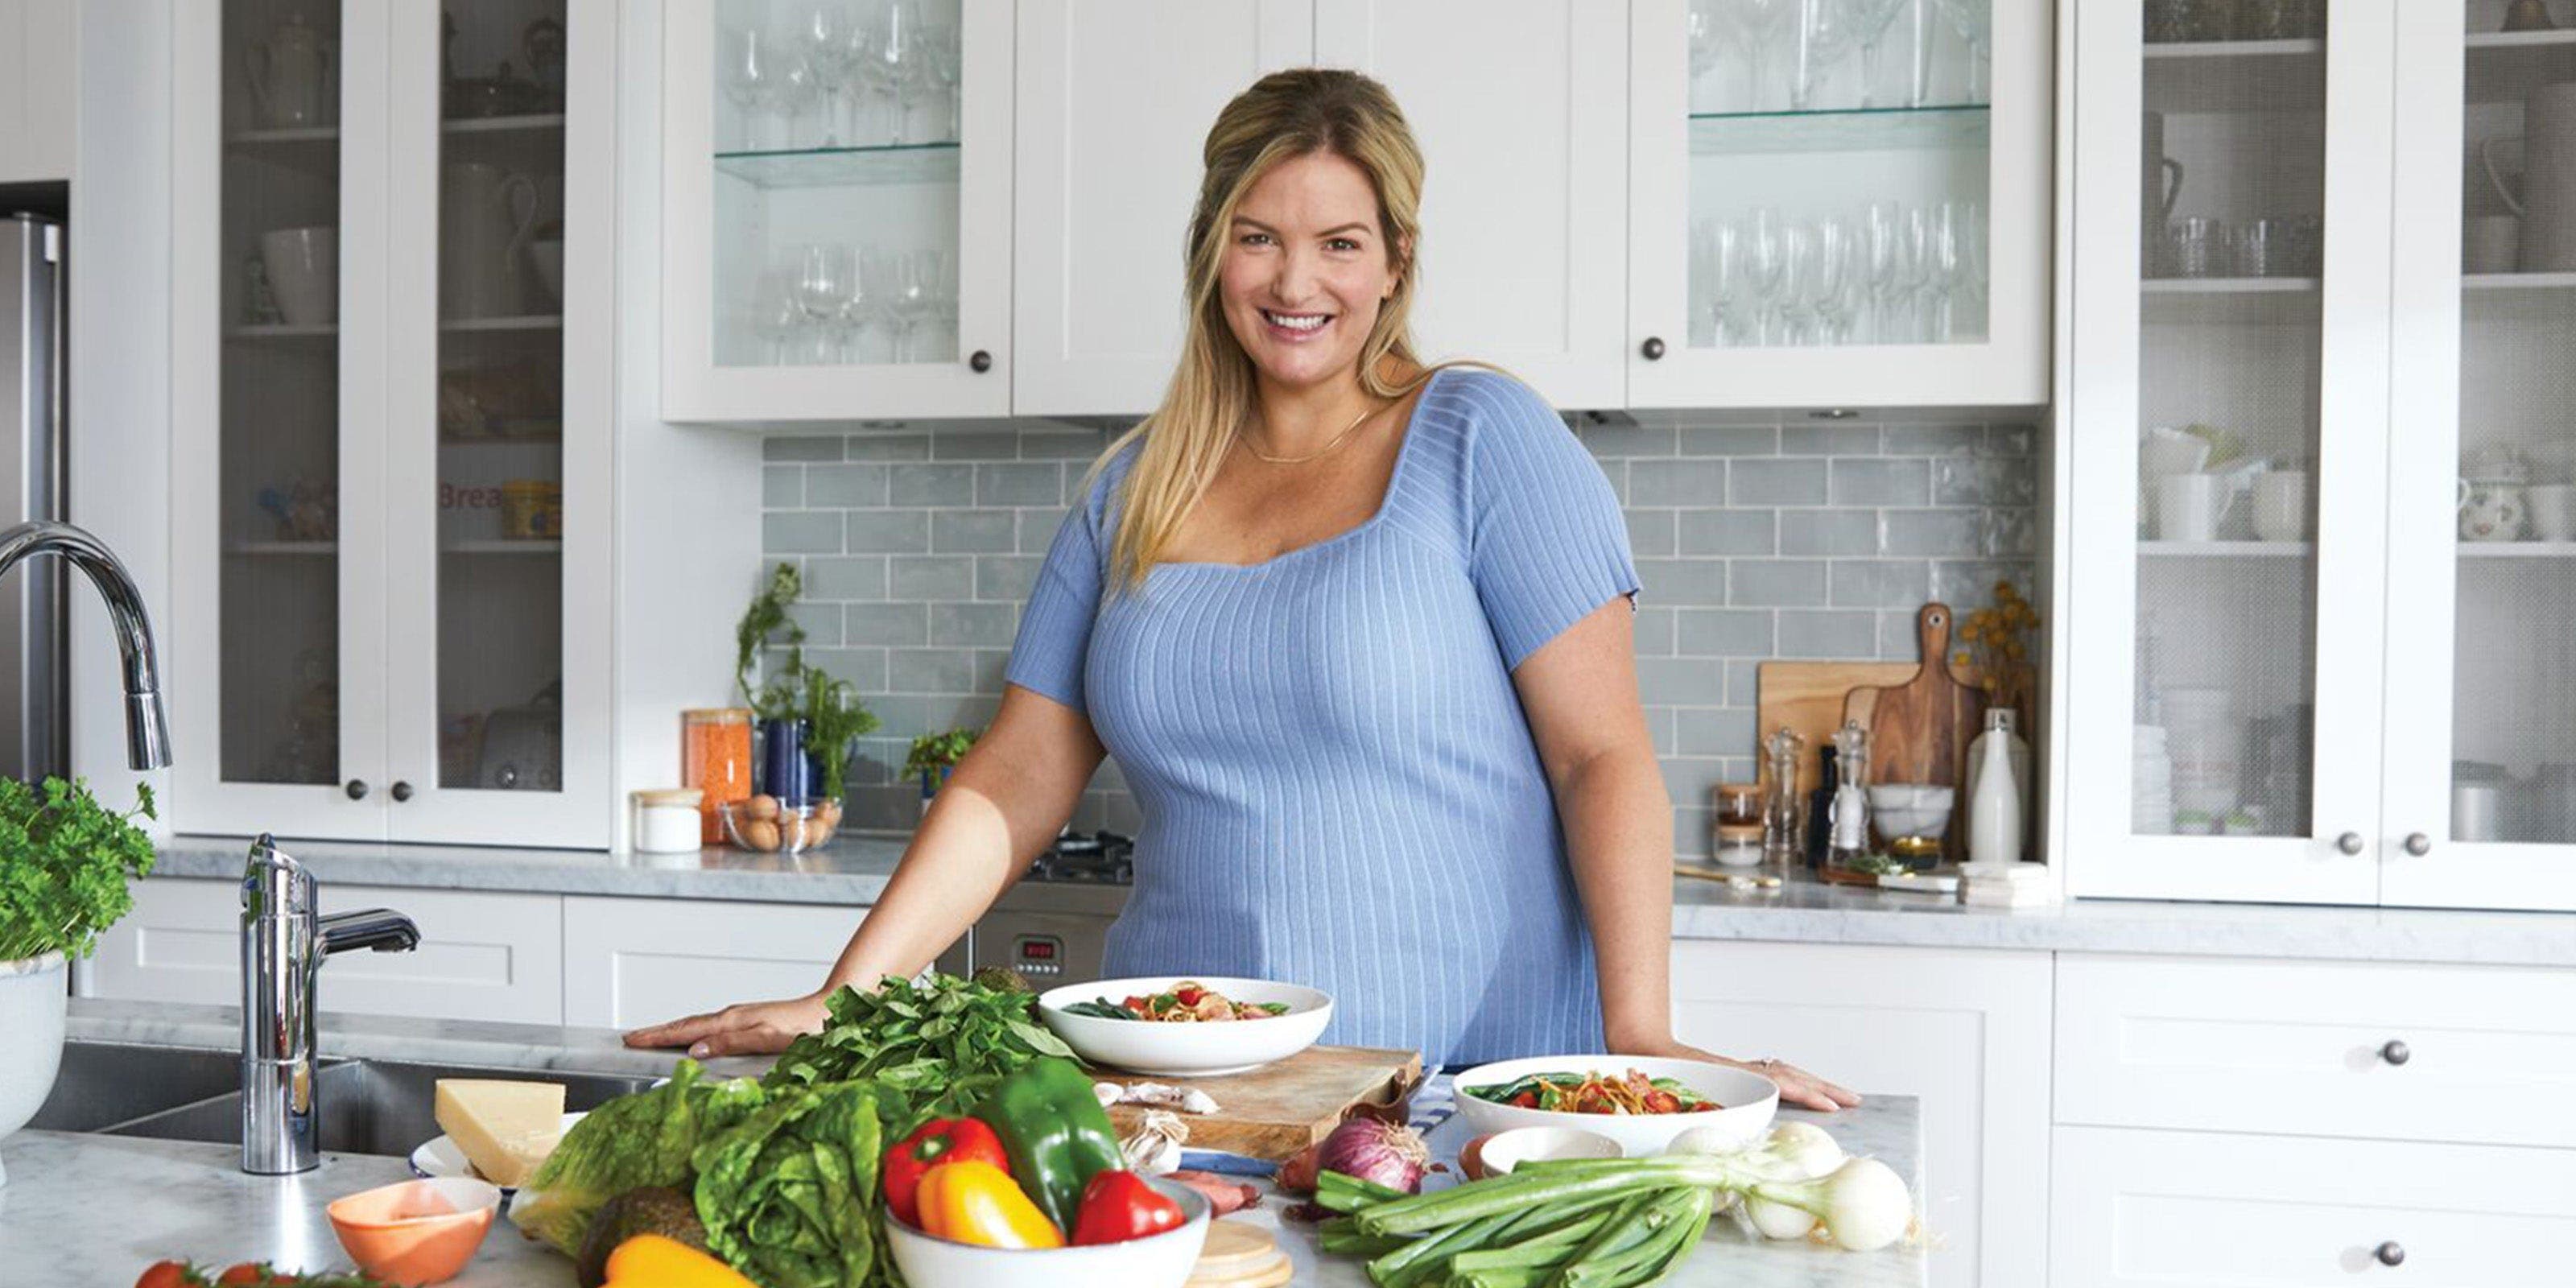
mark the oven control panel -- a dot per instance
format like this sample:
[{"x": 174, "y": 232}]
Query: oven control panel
[{"x": 1037, "y": 955}]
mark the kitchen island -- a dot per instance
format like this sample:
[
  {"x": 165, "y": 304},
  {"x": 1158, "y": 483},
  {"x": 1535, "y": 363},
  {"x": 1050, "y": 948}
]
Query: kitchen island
[{"x": 85, "y": 1210}]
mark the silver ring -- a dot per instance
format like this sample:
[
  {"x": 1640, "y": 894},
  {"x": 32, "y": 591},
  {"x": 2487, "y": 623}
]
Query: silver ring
[{"x": 1767, "y": 1063}]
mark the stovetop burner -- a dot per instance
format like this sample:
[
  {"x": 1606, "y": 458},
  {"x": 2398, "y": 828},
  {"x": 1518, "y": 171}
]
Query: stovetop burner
[{"x": 1098, "y": 857}]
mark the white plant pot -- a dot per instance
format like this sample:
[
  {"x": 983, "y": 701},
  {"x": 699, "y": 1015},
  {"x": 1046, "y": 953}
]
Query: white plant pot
[{"x": 32, "y": 995}]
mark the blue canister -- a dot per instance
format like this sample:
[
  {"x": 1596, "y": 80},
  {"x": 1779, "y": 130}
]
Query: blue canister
[{"x": 783, "y": 771}]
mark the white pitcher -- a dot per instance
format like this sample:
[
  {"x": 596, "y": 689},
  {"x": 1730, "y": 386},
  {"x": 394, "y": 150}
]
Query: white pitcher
[
  {"x": 2548, "y": 201},
  {"x": 484, "y": 217},
  {"x": 290, "y": 75}
]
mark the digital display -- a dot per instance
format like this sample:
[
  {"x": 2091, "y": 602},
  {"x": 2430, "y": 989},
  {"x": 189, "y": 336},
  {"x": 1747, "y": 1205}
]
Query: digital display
[{"x": 1037, "y": 950}]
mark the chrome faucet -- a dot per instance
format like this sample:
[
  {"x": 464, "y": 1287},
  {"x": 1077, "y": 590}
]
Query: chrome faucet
[
  {"x": 283, "y": 943},
  {"x": 147, "y": 729}
]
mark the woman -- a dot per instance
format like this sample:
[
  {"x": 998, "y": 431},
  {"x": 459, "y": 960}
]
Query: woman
[{"x": 1358, "y": 632}]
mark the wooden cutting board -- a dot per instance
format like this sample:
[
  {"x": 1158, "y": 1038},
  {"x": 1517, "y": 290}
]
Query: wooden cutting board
[
  {"x": 1919, "y": 730},
  {"x": 1278, "y": 1109},
  {"x": 1811, "y": 698}
]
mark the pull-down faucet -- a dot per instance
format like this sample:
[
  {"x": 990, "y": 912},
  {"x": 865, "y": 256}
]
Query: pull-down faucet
[
  {"x": 147, "y": 730},
  {"x": 283, "y": 943}
]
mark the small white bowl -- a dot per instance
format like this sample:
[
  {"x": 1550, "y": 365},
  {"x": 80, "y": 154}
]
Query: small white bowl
[
  {"x": 1748, "y": 1098},
  {"x": 1506, "y": 1150},
  {"x": 1155, "y": 1261},
  {"x": 1187, "y": 1050}
]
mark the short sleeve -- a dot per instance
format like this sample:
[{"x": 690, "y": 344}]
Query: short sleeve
[
  {"x": 1548, "y": 544},
  {"x": 1055, "y": 628}
]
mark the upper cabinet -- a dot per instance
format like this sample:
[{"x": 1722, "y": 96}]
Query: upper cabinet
[
  {"x": 1839, "y": 204},
  {"x": 2324, "y": 490},
  {"x": 390, "y": 482},
  {"x": 836, "y": 189},
  {"x": 39, "y": 57}
]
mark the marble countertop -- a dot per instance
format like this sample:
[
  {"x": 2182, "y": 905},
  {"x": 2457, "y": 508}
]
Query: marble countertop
[
  {"x": 852, "y": 872},
  {"x": 75, "y": 1211}
]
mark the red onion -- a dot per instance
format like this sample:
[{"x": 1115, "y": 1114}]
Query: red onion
[{"x": 1387, "y": 1154}]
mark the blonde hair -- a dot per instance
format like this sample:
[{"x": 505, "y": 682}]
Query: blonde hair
[{"x": 1211, "y": 398}]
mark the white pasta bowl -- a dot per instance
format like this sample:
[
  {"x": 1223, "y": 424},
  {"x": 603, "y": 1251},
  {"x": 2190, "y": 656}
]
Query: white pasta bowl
[
  {"x": 1747, "y": 1098},
  {"x": 1198, "y": 1050}
]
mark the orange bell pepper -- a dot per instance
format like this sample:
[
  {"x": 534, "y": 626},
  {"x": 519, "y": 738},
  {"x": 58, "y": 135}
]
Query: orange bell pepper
[
  {"x": 975, "y": 1202},
  {"x": 653, "y": 1261}
]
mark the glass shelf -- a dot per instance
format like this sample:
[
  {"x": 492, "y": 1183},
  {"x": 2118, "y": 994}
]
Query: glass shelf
[
  {"x": 2478, "y": 550},
  {"x": 2228, "y": 299},
  {"x": 512, "y": 546},
  {"x": 282, "y": 548},
  {"x": 2505, "y": 66},
  {"x": 1856, "y": 129},
  {"x": 883, "y": 165},
  {"x": 2236, "y": 76},
  {"x": 2225, "y": 549}
]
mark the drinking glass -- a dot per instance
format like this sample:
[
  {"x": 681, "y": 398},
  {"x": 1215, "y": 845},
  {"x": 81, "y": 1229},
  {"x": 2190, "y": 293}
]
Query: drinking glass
[
  {"x": 749, "y": 64},
  {"x": 1869, "y": 21},
  {"x": 792, "y": 89},
  {"x": 1756, "y": 24},
  {"x": 1726, "y": 283},
  {"x": 1964, "y": 223},
  {"x": 824, "y": 32},
  {"x": 2197, "y": 247},
  {"x": 947, "y": 69},
  {"x": 1974, "y": 20},
  {"x": 895, "y": 61},
  {"x": 1918, "y": 237},
  {"x": 776, "y": 316},
  {"x": 1823, "y": 34},
  {"x": 826, "y": 274},
  {"x": 1798, "y": 265},
  {"x": 1949, "y": 268},
  {"x": 1701, "y": 24},
  {"x": 1883, "y": 249},
  {"x": 943, "y": 300},
  {"x": 1765, "y": 261},
  {"x": 907, "y": 299},
  {"x": 1833, "y": 281}
]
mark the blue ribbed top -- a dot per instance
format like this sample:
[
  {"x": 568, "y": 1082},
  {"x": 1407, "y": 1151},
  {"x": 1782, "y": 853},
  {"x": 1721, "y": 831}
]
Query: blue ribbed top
[{"x": 1339, "y": 787}]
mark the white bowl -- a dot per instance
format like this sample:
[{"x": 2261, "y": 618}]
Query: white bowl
[
  {"x": 1748, "y": 1097},
  {"x": 1187, "y": 1050},
  {"x": 1155, "y": 1261},
  {"x": 1506, "y": 1150}
]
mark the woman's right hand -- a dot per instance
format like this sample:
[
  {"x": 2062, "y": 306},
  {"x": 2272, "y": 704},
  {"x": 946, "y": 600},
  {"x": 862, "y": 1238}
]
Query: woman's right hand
[{"x": 745, "y": 1028}]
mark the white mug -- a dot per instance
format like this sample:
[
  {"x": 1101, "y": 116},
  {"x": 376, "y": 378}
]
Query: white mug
[
  {"x": 2491, "y": 510},
  {"x": 2553, "y": 511},
  {"x": 2189, "y": 507},
  {"x": 303, "y": 266},
  {"x": 2281, "y": 505}
]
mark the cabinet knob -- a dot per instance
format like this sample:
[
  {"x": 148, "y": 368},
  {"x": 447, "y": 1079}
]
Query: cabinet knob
[
  {"x": 402, "y": 790},
  {"x": 2391, "y": 1253},
  {"x": 982, "y": 360},
  {"x": 2395, "y": 1052},
  {"x": 2419, "y": 844},
  {"x": 357, "y": 789},
  {"x": 1653, "y": 348},
  {"x": 2350, "y": 843}
]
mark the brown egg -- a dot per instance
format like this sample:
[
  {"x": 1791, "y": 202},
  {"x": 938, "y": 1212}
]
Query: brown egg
[
  {"x": 762, "y": 807},
  {"x": 760, "y": 834}
]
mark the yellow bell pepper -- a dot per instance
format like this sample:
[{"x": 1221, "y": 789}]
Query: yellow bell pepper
[
  {"x": 653, "y": 1261},
  {"x": 972, "y": 1201}
]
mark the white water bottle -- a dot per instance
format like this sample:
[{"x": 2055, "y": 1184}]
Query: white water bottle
[{"x": 1994, "y": 802}]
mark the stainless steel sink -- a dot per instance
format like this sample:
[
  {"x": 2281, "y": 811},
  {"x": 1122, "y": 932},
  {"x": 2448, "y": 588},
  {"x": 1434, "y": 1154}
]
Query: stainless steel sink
[
  {"x": 368, "y": 1106},
  {"x": 103, "y": 1084}
]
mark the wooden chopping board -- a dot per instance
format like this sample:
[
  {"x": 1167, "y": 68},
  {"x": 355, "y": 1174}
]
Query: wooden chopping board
[
  {"x": 1919, "y": 730},
  {"x": 1811, "y": 698},
  {"x": 1278, "y": 1109}
]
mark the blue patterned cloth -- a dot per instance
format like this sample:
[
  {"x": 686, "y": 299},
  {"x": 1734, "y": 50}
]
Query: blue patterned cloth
[{"x": 1338, "y": 784}]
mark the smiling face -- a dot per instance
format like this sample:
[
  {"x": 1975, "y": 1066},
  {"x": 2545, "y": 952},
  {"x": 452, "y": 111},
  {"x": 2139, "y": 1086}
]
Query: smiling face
[{"x": 1306, "y": 269}]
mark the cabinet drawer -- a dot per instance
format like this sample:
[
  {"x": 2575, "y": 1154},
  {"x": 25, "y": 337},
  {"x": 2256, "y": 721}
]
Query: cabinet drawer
[
  {"x": 2303, "y": 1048},
  {"x": 481, "y": 956},
  {"x": 632, "y": 962},
  {"x": 2164, "y": 1208}
]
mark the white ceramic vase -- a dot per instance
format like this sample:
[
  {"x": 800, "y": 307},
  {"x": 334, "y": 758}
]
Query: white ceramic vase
[{"x": 32, "y": 994}]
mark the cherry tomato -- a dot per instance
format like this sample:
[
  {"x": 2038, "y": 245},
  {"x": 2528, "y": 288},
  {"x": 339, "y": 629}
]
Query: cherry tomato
[
  {"x": 165, "y": 1274},
  {"x": 247, "y": 1272}
]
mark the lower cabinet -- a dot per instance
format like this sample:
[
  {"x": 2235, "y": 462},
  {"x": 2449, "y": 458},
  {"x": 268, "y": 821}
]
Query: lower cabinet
[
  {"x": 1965, "y": 1029},
  {"x": 482, "y": 956},
  {"x": 2138, "y": 1207},
  {"x": 632, "y": 962}
]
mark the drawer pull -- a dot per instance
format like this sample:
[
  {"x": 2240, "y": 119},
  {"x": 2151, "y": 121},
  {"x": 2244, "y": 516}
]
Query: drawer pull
[
  {"x": 2419, "y": 844},
  {"x": 2351, "y": 843},
  {"x": 2390, "y": 1253},
  {"x": 2395, "y": 1052}
]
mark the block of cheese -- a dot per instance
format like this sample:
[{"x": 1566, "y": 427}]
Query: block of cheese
[{"x": 504, "y": 1128}]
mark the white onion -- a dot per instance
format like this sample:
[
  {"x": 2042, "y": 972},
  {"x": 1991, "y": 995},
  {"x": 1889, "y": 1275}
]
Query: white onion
[
  {"x": 1777, "y": 1220},
  {"x": 1809, "y": 1149}
]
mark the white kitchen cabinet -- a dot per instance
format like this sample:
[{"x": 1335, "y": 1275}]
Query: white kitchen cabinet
[
  {"x": 633, "y": 962},
  {"x": 39, "y": 55},
  {"x": 2165, "y": 1208},
  {"x": 832, "y": 256},
  {"x": 1740, "y": 187},
  {"x": 390, "y": 513},
  {"x": 2443, "y": 1053},
  {"x": 1519, "y": 113},
  {"x": 2330, "y": 673},
  {"x": 1107, "y": 169},
  {"x": 482, "y": 956},
  {"x": 1966, "y": 1030}
]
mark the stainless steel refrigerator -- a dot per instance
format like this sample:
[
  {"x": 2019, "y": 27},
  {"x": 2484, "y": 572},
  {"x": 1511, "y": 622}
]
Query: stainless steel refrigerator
[{"x": 34, "y": 725}]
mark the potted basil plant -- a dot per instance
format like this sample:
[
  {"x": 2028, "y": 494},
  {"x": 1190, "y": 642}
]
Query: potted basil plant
[
  {"x": 934, "y": 756},
  {"x": 65, "y": 864}
]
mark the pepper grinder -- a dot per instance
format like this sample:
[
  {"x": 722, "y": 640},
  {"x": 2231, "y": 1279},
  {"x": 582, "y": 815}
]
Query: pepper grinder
[
  {"x": 1784, "y": 815},
  {"x": 1850, "y": 841}
]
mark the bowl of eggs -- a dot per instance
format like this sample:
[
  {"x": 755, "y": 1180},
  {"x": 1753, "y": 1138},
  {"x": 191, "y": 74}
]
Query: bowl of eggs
[{"x": 773, "y": 826}]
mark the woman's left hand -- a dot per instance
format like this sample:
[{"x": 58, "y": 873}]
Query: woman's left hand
[{"x": 1797, "y": 1086}]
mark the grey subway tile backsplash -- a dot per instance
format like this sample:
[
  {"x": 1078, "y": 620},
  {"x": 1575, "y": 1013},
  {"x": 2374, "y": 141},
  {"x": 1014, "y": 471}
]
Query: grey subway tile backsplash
[{"x": 1755, "y": 540}]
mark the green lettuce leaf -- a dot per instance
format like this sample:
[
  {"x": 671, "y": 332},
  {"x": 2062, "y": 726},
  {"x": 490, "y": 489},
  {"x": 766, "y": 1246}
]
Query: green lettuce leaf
[
  {"x": 789, "y": 1195},
  {"x": 642, "y": 1139}
]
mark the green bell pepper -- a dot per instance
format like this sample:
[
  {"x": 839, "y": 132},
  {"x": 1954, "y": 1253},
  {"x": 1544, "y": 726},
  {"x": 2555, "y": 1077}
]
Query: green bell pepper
[{"x": 1056, "y": 1133}]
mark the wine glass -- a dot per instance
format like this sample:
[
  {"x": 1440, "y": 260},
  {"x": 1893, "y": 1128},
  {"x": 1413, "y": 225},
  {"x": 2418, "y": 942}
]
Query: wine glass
[
  {"x": 1974, "y": 20},
  {"x": 792, "y": 89},
  {"x": 1962, "y": 264},
  {"x": 1726, "y": 283},
  {"x": 824, "y": 32},
  {"x": 749, "y": 64},
  {"x": 943, "y": 297},
  {"x": 1832, "y": 294},
  {"x": 1921, "y": 237},
  {"x": 894, "y": 58},
  {"x": 1823, "y": 33},
  {"x": 909, "y": 301},
  {"x": 776, "y": 316},
  {"x": 1764, "y": 265},
  {"x": 1870, "y": 20},
  {"x": 862, "y": 306},
  {"x": 1706, "y": 40},
  {"x": 825, "y": 276},
  {"x": 1757, "y": 23},
  {"x": 947, "y": 71},
  {"x": 1883, "y": 249}
]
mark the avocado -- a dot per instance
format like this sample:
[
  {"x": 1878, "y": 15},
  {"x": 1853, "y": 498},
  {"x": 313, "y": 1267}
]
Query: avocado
[
  {"x": 1002, "y": 979},
  {"x": 648, "y": 1209}
]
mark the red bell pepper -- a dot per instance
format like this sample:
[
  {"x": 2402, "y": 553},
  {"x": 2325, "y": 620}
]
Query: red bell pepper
[
  {"x": 1118, "y": 1206},
  {"x": 941, "y": 1140}
]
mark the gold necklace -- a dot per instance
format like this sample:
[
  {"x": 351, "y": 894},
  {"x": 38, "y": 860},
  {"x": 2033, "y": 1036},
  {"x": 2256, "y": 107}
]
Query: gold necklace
[{"x": 1327, "y": 448}]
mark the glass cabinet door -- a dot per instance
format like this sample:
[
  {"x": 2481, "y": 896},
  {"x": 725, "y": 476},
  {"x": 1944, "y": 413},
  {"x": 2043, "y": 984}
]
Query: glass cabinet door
[
  {"x": 2231, "y": 298},
  {"x": 2481, "y": 781},
  {"x": 837, "y": 208},
  {"x": 1841, "y": 174}
]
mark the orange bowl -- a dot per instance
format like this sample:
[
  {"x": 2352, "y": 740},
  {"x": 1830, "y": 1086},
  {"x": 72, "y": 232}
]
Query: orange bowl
[{"x": 416, "y": 1232}]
